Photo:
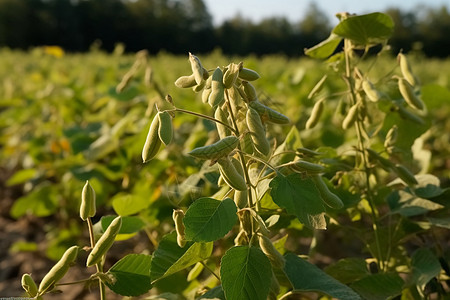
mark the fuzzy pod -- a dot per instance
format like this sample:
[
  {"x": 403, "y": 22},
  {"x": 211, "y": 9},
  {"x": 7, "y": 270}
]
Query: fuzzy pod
[
  {"x": 231, "y": 175},
  {"x": 271, "y": 252},
  {"x": 307, "y": 152},
  {"x": 186, "y": 81},
  {"x": 386, "y": 164},
  {"x": 197, "y": 68},
  {"x": 177, "y": 217},
  {"x": 105, "y": 242},
  {"x": 391, "y": 137},
  {"x": 217, "y": 89},
  {"x": 205, "y": 95},
  {"x": 406, "y": 175},
  {"x": 315, "y": 114},
  {"x": 222, "y": 130},
  {"x": 309, "y": 167},
  {"x": 257, "y": 132},
  {"x": 249, "y": 91},
  {"x": 405, "y": 68},
  {"x": 371, "y": 92},
  {"x": 406, "y": 114},
  {"x": 58, "y": 270},
  {"x": 219, "y": 149},
  {"x": 241, "y": 238},
  {"x": 248, "y": 74},
  {"x": 318, "y": 87},
  {"x": 29, "y": 285},
  {"x": 153, "y": 142},
  {"x": 268, "y": 114},
  {"x": 351, "y": 117},
  {"x": 240, "y": 198},
  {"x": 195, "y": 272},
  {"x": 327, "y": 196},
  {"x": 230, "y": 75},
  {"x": 165, "y": 128},
  {"x": 245, "y": 220},
  {"x": 408, "y": 94},
  {"x": 247, "y": 144},
  {"x": 87, "y": 207}
]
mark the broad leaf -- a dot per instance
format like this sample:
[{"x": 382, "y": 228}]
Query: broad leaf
[
  {"x": 209, "y": 219},
  {"x": 170, "y": 258},
  {"x": 408, "y": 205},
  {"x": 246, "y": 273},
  {"x": 325, "y": 48},
  {"x": 348, "y": 270},
  {"x": 22, "y": 176},
  {"x": 428, "y": 187},
  {"x": 440, "y": 222},
  {"x": 367, "y": 29},
  {"x": 305, "y": 276},
  {"x": 41, "y": 202},
  {"x": 130, "y": 224},
  {"x": 128, "y": 204},
  {"x": 379, "y": 286},
  {"x": 131, "y": 275},
  {"x": 215, "y": 293},
  {"x": 425, "y": 266},
  {"x": 299, "y": 197}
]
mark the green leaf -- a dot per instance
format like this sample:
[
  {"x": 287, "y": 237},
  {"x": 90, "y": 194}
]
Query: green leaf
[
  {"x": 348, "y": 270},
  {"x": 131, "y": 275},
  {"x": 440, "y": 222},
  {"x": 325, "y": 48},
  {"x": 305, "y": 276},
  {"x": 367, "y": 29},
  {"x": 434, "y": 95},
  {"x": 41, "y": 202},
  {"x": 21, "y": 176},
  {"x": 282, "y": 155},
  {"x": 379, "y": 286},
  {"x": 246, "y": 273},
  {"x": 128, "y": 204},
  {"x": 209, "y": 219},
  {"x": 170, "y": 258},
  {"x": 428, "y": 187},
  {"x": 299, "y": 197},
  {"x": 425, "y": 266},
  {"x": 408, "y": 205},
  {"x": 129, "y": 224}
]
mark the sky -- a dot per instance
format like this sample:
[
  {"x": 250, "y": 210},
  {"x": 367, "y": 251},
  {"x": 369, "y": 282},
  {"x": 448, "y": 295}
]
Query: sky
[{"x": 293, "y": 10}]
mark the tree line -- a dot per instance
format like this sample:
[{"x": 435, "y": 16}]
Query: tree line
[{"x": 178, "y": 26}]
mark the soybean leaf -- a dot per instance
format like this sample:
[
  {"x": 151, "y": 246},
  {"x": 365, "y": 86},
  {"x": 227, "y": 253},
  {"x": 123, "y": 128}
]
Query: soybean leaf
[
  {"x": 367, "y": 29},
  {"x": 305, "y": 276},
  {"x": 440, "y": 222},
  {"x": 130, "y": 224},
  {"x": 348, "y": 270},
  {"x": 425, "y": 266},
  {"x": 428, "y": 187},
  {"x": 408, "y": 205},
  {"x": 22, "y": 176},
  {"x": 379, "y": 286},
  {"x": 170, "y": 258},
  {"x": 246, "y": 273},
  {"x": 299, "y": 197},
  {"x": 131, "y": 275},
  {"x": 41, "y": 202},
  {"x": 325, "y": 48},
  {"x": 208, "y": 219},
  {"x": 128, "y": 204}
]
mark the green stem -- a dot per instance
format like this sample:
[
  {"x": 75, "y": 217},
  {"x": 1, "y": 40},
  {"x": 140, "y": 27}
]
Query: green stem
[
  {"x": 99, "y": 266},
  {"x": 210, "y": 270},
  {"x": 364, "y": 160},
  {"x": 206, "y": 117}
]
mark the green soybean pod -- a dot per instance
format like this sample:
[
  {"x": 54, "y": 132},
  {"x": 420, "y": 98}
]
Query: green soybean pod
[
  {"x": 271, "y": 252},
  {"x": 105, "y": 242},
  {"x": 257, "y": 132},
  {"x": 386, "y": 164},
  {"x": 153, "y": 142},
  {"x": 177, "y": 217},
  {"x": 219, "y": 149},
  {"x": 249, "y": 91},
  {"x": 165, "y": 129},
  {"x": 327, "y": 196},
  {"x": 405, "y": 175},
  {"x": 351, "y": 117},
  {"x": 268, "y": 114},
  {"x": 195, "y": 272},
  {"x": 371, "y": 92},
  {"x": 318, "y": 87},
  {"x": 205, "y": 95},
  {"x": 408, "y": 94},
  {"x": 217, "y": 89},
  {"x": 197, "y": 68},
  {"x": 307, "y": 152},
  {"x": 240, "y": 198},
  {"x": 58, "y": 270},
  {"x": 186, "y": 81},
  {"x": 29, "y": 285},
  {"x": 309, "y": 167},
  {"x": 230, "y": 75},
  {"x": 405, "y": 68},
  {"x": 406, "y": 114},
  {"x": 222, "y": 130},
  {"x": 391, "y": 137},
  {"x": 231, "y": 175},
  {"x": 315, "y": 114},
  {"x": 87, "y": 207},
  {"x": 248, "y": 74}
]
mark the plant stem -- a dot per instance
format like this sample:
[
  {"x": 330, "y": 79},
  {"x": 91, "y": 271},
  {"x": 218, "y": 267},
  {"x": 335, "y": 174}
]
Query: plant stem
[
  {"x": 210, "y": 270},
  {"x": 205, "y": 117},
  {"x": 99, "y": 266},
  {"x": 359, "y": 128}
]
